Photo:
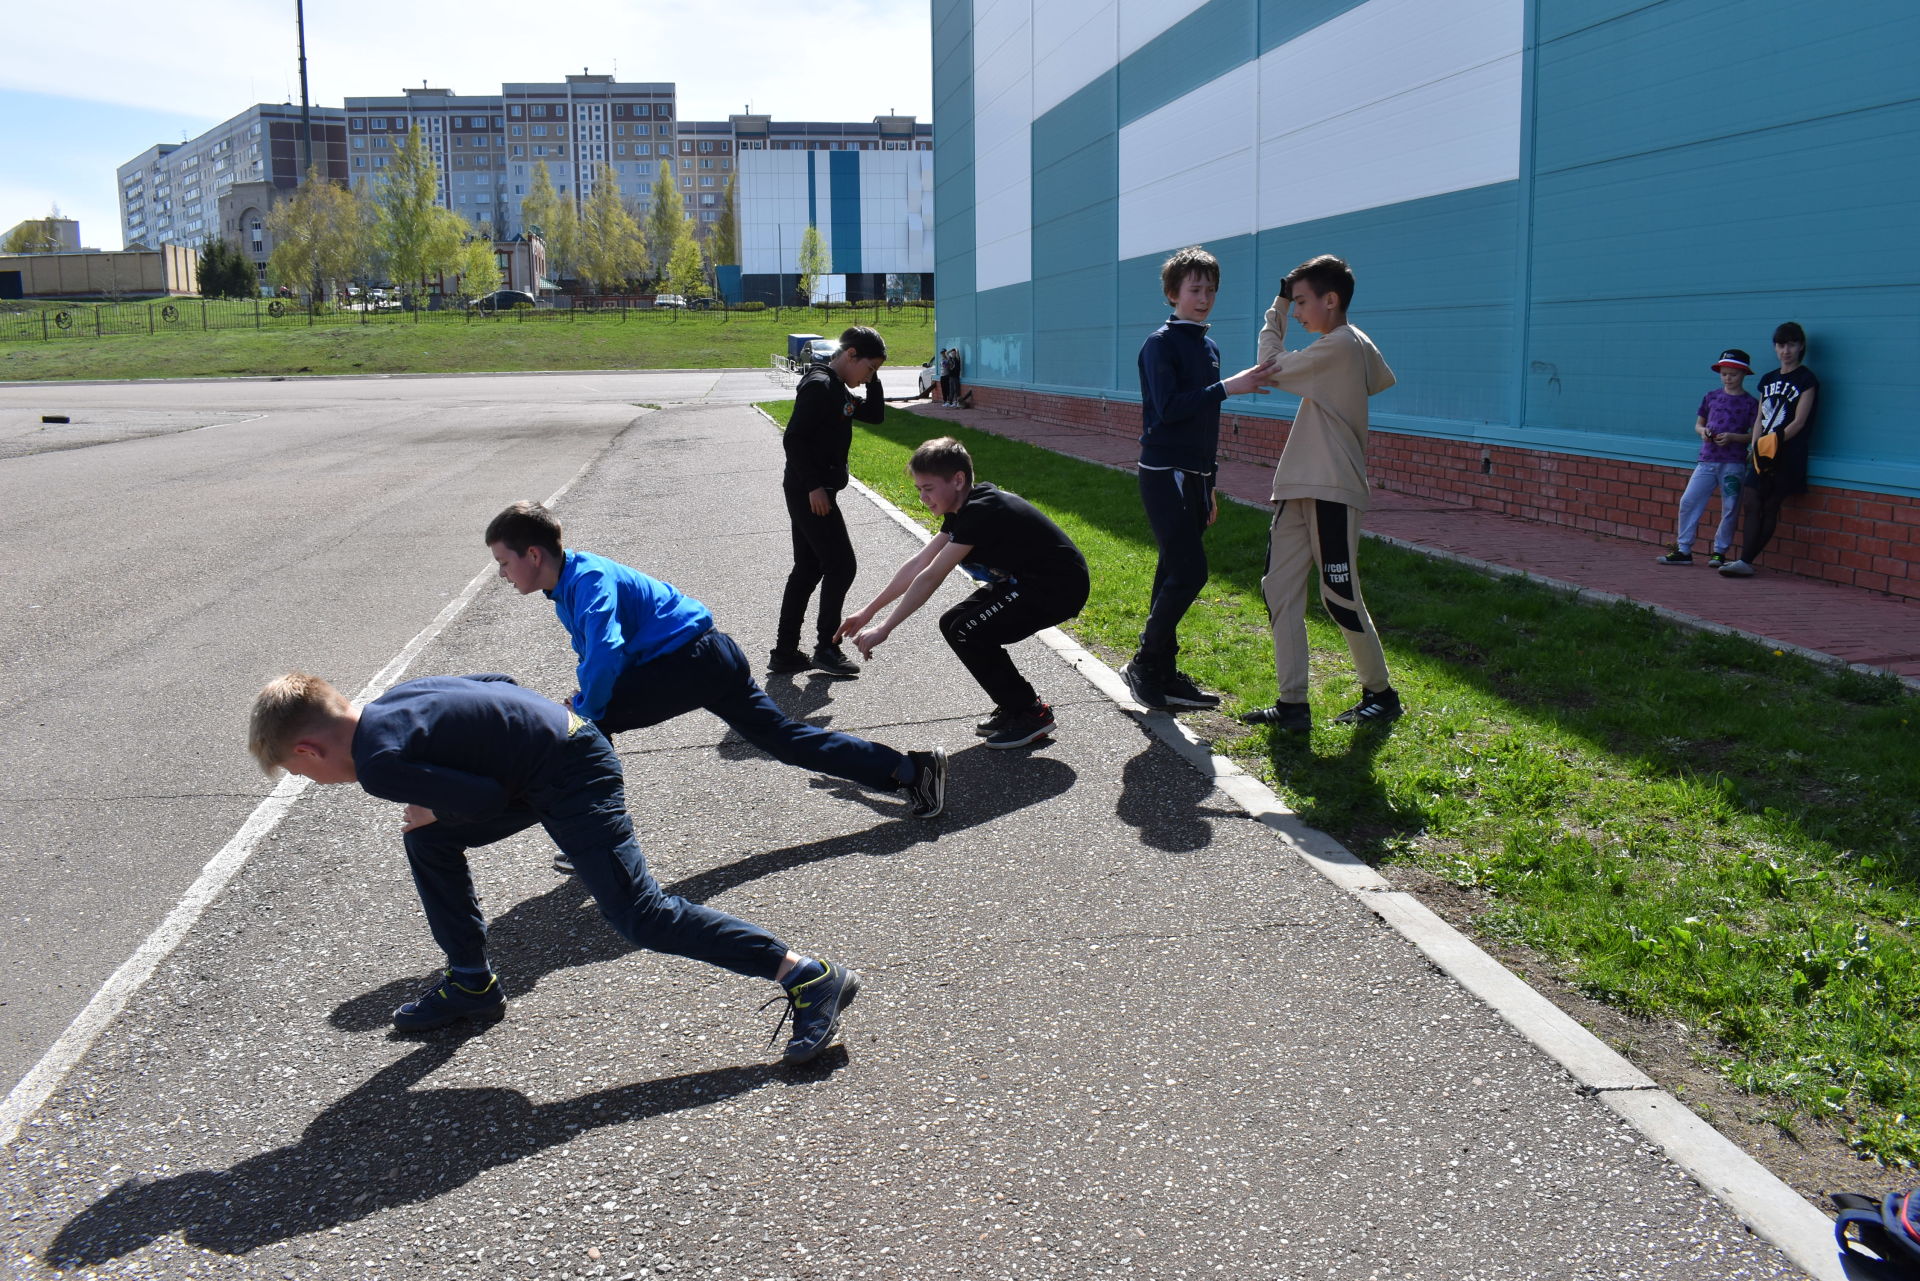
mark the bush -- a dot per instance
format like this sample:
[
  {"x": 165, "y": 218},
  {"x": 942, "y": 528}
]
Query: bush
[{"x": 749, "y": 306}]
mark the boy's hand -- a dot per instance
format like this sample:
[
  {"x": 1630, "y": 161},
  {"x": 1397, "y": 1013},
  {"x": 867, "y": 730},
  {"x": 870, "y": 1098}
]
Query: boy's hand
[
  {"x": 850, "y": 624},
  {"x": 415, "y": 816},
  {"x": 868, "y": 638},
  {"x": 1250, "y": 380},
  {"x": 820, "y": 501},
  {"x": 1213, "y": 512}
]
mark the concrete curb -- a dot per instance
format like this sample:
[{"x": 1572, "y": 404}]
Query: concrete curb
[{"x": 1773, "y": 1210}]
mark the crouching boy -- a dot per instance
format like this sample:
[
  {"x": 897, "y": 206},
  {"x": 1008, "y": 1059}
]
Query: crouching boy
[
  {"x": 1031, "y": 576},
  {"x": 476, "y": 759}
]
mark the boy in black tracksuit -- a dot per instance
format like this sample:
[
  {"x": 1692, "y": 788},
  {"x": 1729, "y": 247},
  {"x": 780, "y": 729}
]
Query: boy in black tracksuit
[
  {"x": 819, "y": 434},
  {"x": 1180, "y": 394},
  {"x": 1032, "y": 577}
]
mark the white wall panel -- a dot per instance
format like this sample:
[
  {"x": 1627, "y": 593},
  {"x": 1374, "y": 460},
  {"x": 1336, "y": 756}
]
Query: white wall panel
[
  {"x": 1075, "y": 42},
  {"x": 1142, "y": 20},
  {"x": 1188, "y": 170},
  {"x": 1434, "y": 107},
  {"x": 1003, "y": 142}
]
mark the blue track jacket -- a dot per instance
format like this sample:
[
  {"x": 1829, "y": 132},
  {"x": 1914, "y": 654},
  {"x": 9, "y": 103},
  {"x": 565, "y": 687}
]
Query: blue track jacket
[
  {"x": 617, "y": 618},
  {"x": 1180, "y": 397}
]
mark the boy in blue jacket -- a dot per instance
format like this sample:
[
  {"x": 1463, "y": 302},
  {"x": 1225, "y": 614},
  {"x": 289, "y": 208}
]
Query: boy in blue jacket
[
  {"x": 648, "y": 653},
  {"x": 476, "y": 759},
  {"x": 1180, "y": 394}
]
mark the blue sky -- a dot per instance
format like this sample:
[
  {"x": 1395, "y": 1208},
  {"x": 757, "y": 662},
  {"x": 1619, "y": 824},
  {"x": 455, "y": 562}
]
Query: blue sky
[{"x": 63, "y": 135}]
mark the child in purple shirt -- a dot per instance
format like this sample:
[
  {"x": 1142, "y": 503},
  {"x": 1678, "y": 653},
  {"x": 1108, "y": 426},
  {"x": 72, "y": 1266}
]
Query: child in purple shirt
[{"x": 1724, "y": 424}]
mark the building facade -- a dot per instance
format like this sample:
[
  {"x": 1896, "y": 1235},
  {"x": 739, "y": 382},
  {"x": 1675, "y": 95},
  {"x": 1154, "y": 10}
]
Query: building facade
[
  {"x": 171, "y": 194},
  {"x": 873, "y": 210},
  {"x": 1557, "y": 215}
]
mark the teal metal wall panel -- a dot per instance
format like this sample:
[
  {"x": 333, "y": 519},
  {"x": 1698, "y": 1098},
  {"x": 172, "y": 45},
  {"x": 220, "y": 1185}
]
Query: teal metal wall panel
[
  {"x": 843, "y": 209},
  {"x": 1075, "y": 238},
  {"x": 953, "y": 235},
  {"x": 1206, "y": 44},
  {"x": 1003, "y": 335}
]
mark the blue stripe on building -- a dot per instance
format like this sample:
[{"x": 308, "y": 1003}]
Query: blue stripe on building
[{"x": 843, "y": 209}]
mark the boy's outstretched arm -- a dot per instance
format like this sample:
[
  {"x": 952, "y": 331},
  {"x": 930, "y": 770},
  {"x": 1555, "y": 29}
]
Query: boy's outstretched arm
[
  {"x": 912, "y": 585},
  {"x": 593, "y": 624}
]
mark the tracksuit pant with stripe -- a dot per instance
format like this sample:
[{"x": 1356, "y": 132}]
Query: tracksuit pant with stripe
[{"x": 1309, "y": 532}]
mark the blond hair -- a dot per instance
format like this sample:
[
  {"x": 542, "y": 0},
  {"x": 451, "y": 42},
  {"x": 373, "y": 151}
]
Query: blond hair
[{"x": 287, "y": 709}]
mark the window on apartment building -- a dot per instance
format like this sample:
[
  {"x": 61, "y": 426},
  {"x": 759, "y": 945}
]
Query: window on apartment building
[
  {"x": 518, "y": 131},
  {"x": 645, "y": 167},
  {"x": 379, "y": 162},
  {"x": 538, "y": 110},
  {"x": 619, "y": 148},
  {"x": 539, "y": 149},
  {"x": 458, "y": 141},
  {"x": 559, "y": 131},
  {"x": 705, "y": 146},
  {"x": 686, "y": 184},
  {"x": 515, "y": 111},
  {"x": 380, "y": 143},
  {"x": 706, "y": 182},
  {"x": 357, "y": 124},
  {"x": 706, "y": 164},
  {"x": 359, "y": 143}
]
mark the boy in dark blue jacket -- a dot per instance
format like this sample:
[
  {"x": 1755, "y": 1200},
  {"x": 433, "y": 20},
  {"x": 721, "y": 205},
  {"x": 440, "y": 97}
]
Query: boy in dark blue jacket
[
  {"x": 1180, "y": 394},
  {"x": 648, "y": 653},
  {"x": 476, "y": 759}
]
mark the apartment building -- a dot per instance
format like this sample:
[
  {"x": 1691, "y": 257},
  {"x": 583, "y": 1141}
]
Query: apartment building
[{"x": 170, "y": 194}]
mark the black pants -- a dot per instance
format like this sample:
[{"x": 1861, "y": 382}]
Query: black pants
[
  {"x": 982, "y": 626},
  {"x": 1760, "y": 498},
  {"x": 1178, "y": 504},
  {"x": 822, "y": 557}
]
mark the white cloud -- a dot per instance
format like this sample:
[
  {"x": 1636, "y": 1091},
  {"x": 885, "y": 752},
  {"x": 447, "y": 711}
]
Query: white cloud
[{"x": 845, "y": 61}]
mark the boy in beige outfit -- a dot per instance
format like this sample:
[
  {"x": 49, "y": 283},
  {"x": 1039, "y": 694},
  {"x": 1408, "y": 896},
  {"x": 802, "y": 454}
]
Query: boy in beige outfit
[{"x": 1320, "y": 489}]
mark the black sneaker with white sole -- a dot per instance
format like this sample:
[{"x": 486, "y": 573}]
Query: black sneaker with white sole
[
  {"x": 1180, "y": 691},
  {"x": 1022, "y": 728},
  {"x": 994, "y": 723},
  {"x": 1145, "y": 685},
  {"x": 785, "y": 662},
  {"x": 833, "y": 660},
  {"x": 1376, "y": 707},
  {"x": 815, "y": 1004},
  {"x": 927, "y": 793},
  {"x": 1290, "y": 718}
]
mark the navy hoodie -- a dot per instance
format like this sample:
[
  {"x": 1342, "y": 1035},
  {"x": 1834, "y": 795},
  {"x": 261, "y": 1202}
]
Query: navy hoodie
[{"x": 1180, "y": 395}]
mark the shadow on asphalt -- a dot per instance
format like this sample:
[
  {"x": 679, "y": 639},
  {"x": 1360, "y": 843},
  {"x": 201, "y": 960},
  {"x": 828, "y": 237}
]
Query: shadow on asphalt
[
  {"x": 1341, "y": 792},
  {"x": 1167, "y": 801},
  {"x": 562, "y": 928},
  {"x": 381, "y": 1145}
]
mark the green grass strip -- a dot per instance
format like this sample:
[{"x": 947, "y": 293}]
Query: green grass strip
[{"x": 1690, "y": 825}]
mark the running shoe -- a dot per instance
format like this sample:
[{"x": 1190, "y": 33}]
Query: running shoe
[
  {"x": 1180, "y": 691},
  {"x": 815, "y": 1004},
  {"x": 1022, "y": 728},
  {"x": 833, "y": 660},
  {"x": 447, "y": 1001},
  {"x": 927, "y": 793},
  {"x": 1286, "y": 717},
  {"x": 1375, "y": 707}
]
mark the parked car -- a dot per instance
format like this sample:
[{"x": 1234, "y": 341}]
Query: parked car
[
  {"x": 821, "y": 350},
  {"x": 503, "y": 300},
  {"x": 669, "y": 300},
  {"x": 703, "y": 303},
  {"x": 930, "y": 375}
]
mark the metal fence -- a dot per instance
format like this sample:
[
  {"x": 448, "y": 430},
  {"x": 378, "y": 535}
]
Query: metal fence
[{"x": 51, "y": 321}]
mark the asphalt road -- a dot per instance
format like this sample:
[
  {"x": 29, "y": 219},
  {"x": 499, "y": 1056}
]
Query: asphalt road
[
  {"x": 1112, "y": 1027},
  {"x": 176, "y": 544}
]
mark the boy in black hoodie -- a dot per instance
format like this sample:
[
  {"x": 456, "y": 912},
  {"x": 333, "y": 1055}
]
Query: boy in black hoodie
[
  {"x": 819, "y": 434},
  {"x": 1180, "y": 394}
]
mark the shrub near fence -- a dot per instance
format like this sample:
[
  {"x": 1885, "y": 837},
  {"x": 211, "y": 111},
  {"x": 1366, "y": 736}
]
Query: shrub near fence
[{"x": 48, "y": 321}]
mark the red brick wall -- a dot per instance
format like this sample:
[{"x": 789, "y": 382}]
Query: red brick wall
[{"x": 1845, "y": 536}]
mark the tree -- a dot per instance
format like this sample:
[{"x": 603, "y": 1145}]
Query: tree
[
  {"x": 225, "y": 271},
  {"x": 34, "y": 236},
  {"x": 666, "y": 223},
  {"x": 563, "y": 240},
  {"x": 685, "y": 275},
  {"x": 610, "y": 247},
  {"x": 324, "y": 233},
  {"x": 478, "y": 268},
  {"x": 723, "y": 242},
  {"x": 418, "y": 238},
  {"x": 813, "y": 259},
  {"x": 539, "y": 205}
]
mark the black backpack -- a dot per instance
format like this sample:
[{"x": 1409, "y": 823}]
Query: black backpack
[{"x": 1890, "y": 1229}]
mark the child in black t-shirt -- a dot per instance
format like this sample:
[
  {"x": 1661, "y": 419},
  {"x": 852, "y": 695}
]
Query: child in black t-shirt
[{"x": 1031, "y": 575}]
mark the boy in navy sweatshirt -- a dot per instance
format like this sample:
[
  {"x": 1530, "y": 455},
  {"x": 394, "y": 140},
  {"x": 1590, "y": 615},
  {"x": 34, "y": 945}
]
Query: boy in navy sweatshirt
[
  {"x": 1180, "y": 394},
  {"x": 476, "y": 759},
  {"x": 649, "y": 654}
]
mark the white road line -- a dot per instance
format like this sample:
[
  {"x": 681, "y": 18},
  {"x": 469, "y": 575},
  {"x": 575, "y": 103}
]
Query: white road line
[{"x": 38, "y": 1085}]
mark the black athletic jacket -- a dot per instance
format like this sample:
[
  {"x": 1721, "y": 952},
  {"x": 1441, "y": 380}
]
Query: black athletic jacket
[{"x": 820, "y": 432}]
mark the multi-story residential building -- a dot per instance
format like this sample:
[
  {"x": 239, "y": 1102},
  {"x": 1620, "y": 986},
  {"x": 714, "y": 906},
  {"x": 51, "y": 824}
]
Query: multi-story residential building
[
  {"x": 173, "y": 193},
  {"x": 485, "y": 147}
]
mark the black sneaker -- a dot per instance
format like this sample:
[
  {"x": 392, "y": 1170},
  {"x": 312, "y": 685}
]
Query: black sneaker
[
  {"x": 562, "y": 864},
  {"x": 927, "y": 793},
  {"x": 833, "y": 660},
  {"x": 1674, "y": 557},
  {"x": 815, "y": 1006},
  {"x": 447, "y": 1001},
  {"x": 1022, "y": 728},
  {"x": 994, "y": 723},
  {"x": 784, "y": 662},
  {"x": 1145, "y": 685},
  {"x": 1716, "y": 560},
  {"x": 1374, "y": 708},
  {"x": 1180, "y": 691},
  {"x": 1286, "y": 717}
]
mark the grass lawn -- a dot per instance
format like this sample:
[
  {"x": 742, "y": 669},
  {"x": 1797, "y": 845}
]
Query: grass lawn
[
  {"x": 439, "y": 343},
  {"x": 1688, "y": 825}
]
